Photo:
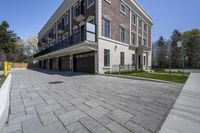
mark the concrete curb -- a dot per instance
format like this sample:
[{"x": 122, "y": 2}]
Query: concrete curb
[
  {"x": 140, "y": 78},
  {"x": 4, "y": 100},
  {"x": 184, "y": 117}
]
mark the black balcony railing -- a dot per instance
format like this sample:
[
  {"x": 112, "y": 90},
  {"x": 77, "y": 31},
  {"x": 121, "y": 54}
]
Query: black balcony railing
[{"x": 70, "y": 41}]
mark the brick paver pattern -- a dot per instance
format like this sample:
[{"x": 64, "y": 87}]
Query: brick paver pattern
[{"x": 86, "y": 104}]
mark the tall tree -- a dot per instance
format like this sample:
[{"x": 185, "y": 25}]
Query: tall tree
[
  {"x": 192, "y": 48},
  {"x": 8, "y": 41},
  {"x": 33, "y": 41},
  {"x": 175, "y": 50},
  {"x": 161, "y": 52}
]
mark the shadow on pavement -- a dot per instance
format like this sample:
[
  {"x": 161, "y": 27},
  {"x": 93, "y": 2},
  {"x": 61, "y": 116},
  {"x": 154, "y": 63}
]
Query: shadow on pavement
[{"x": 62, "y": 73}]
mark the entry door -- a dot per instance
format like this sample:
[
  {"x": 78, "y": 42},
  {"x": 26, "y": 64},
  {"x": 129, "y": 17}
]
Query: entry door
[
  {"x": 139, "y": 61},
  {"x": 50, "y": 64}
]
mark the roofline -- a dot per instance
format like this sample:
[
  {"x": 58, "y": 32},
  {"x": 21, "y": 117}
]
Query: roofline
[{"x": 142, "y": 10}]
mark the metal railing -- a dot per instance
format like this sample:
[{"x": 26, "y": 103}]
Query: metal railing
[
  {"x": 121, "y": 68},
  {"x": 69, "y": 41}
]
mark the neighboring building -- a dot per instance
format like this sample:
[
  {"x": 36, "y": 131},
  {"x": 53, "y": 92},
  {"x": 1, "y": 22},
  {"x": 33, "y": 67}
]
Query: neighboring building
[{"x": 93, "y": 36}]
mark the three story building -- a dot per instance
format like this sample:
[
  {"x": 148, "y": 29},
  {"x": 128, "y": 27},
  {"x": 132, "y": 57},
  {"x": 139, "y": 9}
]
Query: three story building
[{"x": 95, "y": 36}]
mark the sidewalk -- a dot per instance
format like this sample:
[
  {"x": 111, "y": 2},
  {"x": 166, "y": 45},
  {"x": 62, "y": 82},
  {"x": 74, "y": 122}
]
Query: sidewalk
[{"x": 185, "y": 114}]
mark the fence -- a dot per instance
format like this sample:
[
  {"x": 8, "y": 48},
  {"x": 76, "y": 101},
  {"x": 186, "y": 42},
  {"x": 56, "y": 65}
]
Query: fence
[
  {"x": 19, "y": 65},
  {"x": 119, "y": 68}
]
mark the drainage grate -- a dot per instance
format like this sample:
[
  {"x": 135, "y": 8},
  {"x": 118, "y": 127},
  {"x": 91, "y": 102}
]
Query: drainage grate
[{"x": 56, "y": 82}]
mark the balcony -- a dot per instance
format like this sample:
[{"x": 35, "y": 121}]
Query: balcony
[
  {"x": 80, "y": 13},
  {"x": 60, "y": 31},
  {"x": 86, "y": 35},
  {"x": 61, "y": 27}
]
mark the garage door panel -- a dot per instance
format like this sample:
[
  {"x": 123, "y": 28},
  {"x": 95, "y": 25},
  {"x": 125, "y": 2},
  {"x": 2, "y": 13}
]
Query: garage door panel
[
  {"x": 84, "y": 62},
  {"x": 64, "y": 63}
]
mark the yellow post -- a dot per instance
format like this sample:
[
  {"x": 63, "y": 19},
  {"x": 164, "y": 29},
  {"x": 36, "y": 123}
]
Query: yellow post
[{"x": 5, "y": 68}]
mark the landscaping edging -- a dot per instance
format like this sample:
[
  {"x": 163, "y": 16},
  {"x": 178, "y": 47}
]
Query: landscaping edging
[
  {"x": 184, "y": 117},
  {"x": 140, "y": 78},
  {"x": 4, "y": 100}
]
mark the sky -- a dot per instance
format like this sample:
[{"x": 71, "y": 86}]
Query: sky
[{"x": 27, "y": 17}]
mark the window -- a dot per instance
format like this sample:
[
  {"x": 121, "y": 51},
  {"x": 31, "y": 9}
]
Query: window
[
  {"x": 106, "y": 28},
  {"x": 134, "y": 18},
  {"x": 133, "y": 60},
  {"x": 106, "y": 58},
  {"x": 123, "y": 8},
  {"x": 139, "y": 41},
  {"x": 144, "y": 60},
  {"x": 145, "y": 27},
  {"x": 66, "y": 19},
  {"x": 122, "y": 58},
  {"x": 90, "y": 3},
  {"x": 140, "y": 23},
  {"x": 75, "y": 11},
  {"x": 145, "y": 41},
  {"x": 122, "y": 34},
  {"x": 133, "y": 42}
]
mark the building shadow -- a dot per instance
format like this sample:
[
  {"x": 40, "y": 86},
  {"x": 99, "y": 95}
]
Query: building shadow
[{"x": 61, "y": 73}]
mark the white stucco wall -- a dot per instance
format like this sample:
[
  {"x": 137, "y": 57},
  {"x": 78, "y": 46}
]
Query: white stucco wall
[{"x": 115, "y": 49}]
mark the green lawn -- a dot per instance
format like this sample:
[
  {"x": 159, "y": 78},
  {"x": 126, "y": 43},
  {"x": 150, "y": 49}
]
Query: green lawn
[{"x": 175, "y": 77}]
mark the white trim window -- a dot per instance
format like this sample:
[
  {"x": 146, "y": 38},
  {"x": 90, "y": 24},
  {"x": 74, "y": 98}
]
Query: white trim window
[
  {"x": 133, "y": 38},
  {"x": 106, "y": 28},
  {"x": 134, "y": 19},
  {"x": 90, "y": 3},
  {"x": 140, "y": 23},
  {"x": 123, "y": 8},
  {"x": 145, "y": 27},
  {"x": 122, "y": 34}
]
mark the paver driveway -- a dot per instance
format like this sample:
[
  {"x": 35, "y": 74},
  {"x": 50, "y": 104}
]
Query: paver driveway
[{"x": 87, "y": 104}]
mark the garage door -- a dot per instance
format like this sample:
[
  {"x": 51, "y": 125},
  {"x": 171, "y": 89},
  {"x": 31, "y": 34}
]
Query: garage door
[
  {"x": 64, "y": 63},
  {"x": 84, "y": 62}
]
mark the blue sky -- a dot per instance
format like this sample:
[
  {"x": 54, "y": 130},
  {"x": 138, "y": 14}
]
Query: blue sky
[{"x": 27, "y": 17}]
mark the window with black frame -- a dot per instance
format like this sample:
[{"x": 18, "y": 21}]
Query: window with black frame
[
  {"x": 106, "y": 28},
  {"x": 122, "y": 34},
  {"x": 106, "y": 57},
  {"x": 122, "y": 59},
  {"x": 133, "y": 60}
]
